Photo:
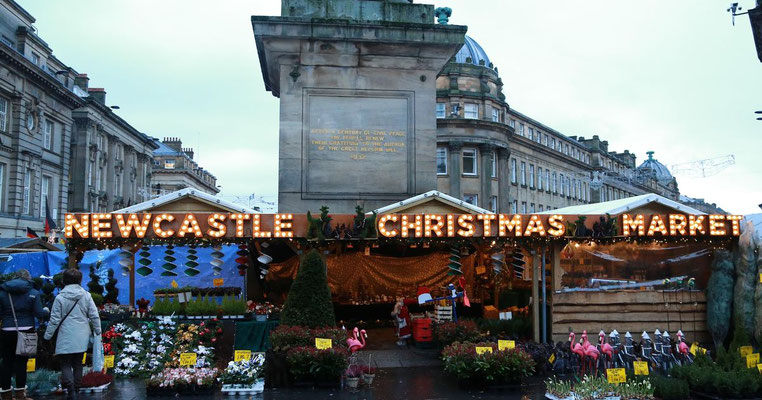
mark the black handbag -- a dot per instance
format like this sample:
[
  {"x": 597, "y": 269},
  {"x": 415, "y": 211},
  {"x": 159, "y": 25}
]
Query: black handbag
[
  {"x": 26, "y": 343},
  {"x": 54, "y": 338}
]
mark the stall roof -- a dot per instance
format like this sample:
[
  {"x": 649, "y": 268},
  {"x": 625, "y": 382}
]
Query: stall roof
[
  {"x": 616, "y": 207},
  {"x": 420, "y": 203},
  {"x": 18, "y": 245},
  {"x": 192, "y": 200}
]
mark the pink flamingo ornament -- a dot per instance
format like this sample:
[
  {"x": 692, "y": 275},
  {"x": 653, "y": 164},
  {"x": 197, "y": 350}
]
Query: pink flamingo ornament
[
  {"x": 585, "y": 342},
  {"x": 353, "y": 343},
  {"x": 591, "y": 357},
  {"x": 576, "y": 348},
  {"x": 682, "y": 347},
  {"x": 605, "y": 349}
]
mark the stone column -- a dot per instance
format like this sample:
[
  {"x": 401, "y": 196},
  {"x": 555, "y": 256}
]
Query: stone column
[
  {"x": 453, "y": 169},
  {"x": 503, "y": 180},
  {"x": 485, "y": 151}
]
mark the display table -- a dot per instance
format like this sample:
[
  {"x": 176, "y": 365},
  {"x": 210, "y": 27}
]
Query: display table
[{"x": 253, "y": 335}]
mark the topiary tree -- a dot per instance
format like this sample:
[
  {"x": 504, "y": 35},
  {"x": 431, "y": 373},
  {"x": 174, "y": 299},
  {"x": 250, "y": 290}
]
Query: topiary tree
[
  {"x": 746, "y": 283},
  {"x": 112, "y": 293},
  {"x": 309, "y": 300},
  {"x": 719, "y": 297},
  {"x": 94, "y": 286}
]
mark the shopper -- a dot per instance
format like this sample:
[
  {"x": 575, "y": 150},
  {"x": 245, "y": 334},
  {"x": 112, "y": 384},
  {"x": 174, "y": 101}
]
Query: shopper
[
  {"x": 76, "y": 319},
  {"x": 17, "y": 296}
]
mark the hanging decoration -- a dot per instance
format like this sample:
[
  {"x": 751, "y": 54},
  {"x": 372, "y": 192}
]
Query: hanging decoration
[
  {"x": 169, "y": 262},
  {"x": 217, "y": 262},
  {"x": 192, "y": 263},
  {"x": 517, "y": 262},
  {"x": 125, "y": 260},
  {"x": 454, "y": 265},
  {"x": 144, "y": 261},
  {"x": 243, "y": 259},
  {"x": 567, "y": 252}
]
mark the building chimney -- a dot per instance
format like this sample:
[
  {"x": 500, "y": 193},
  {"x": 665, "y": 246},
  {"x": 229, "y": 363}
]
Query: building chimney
[
  {"x": 98, "y": 94},
  {"x": 81, "y": 80},
  {"x": 174, "y": 143},
  {"x": 605, "y": 146},
  {"x": 189, "y": 152}
]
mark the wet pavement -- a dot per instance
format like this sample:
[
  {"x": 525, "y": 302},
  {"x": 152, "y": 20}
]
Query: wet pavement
[{"x": 390, "y": 383}]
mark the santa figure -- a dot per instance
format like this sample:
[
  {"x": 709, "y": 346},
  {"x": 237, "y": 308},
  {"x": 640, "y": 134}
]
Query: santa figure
[{"x": 402, "y": 319}]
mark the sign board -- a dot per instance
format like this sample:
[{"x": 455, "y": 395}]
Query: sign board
[
  {"x": 188, "y": 359},
  {"x": 752, "y": 360},
  {"x": 217, "y": 282},
  {"x": 552, "y": 358},
  {"x": 322, "y": 343},
  {"x": 616, "y": 375},
  {"x": 108, "y": 361},
  {"x": 239, "y": 355},
  {"x": 641, "y": 367},
  {"x": 505, "y": 344},
  {"x": 745, "y": 350},
  {"x": 31, "y": 364},
  {"x": 696, "y": 349},
  {"x": 482, "y": 350}
]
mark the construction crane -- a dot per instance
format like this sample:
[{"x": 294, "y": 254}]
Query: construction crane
[{"x": 703, "y": 168}]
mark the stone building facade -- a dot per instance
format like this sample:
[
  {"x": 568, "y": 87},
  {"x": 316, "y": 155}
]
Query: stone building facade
[
  {"x": 37, "y": 97},
  {"x": 175, "y": 169},
  {"x": 113, "y": 160}
]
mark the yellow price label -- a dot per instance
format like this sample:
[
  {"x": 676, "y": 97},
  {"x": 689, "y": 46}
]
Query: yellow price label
[
  {"x": 322, "y": 344},
  {"x": 752, "y": 360},
  {"x": 696, "y": 349},
  {"x": 84, "y": 358},
  {"x": 641, "y": 367},
  {"x": 759, "y": 368},
  {"x": 108, "y": 361},
  {"x": 505, "y": 344},
  {"x": 616, "y": 375},
  {"x": 174, "y": 284},
  {"x": 760, "y": 277},
  {"x": 745, "y": 350},
  {"x": 239, "y": 355},
  {"x": 482, "y": 350},
  {"x": 31, "y": 364},
  {"x": 188, "y": 359},
  {"x": 552, "y": 358},
  {"x": 217, "y": 282}
]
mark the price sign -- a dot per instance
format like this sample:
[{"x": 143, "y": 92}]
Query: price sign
[
  {"x": 322, "y": 344},
  {"x": 84, "y": 358},
  {"x": 217, "y": 282},
  {"x": 745, "y": 350},
  {"x": 505, "y": 344},
  {"x": 696, "y": 349},
  {"x": 482, "y": 350},
  {"x": 174, "y": 284},
  {"x": 760, "y": 277},
  {"x": 616, "y": 375},
  {"x": 108, "y": 361},
  {"x": 31, "y": 364},
  {"x": 239, "y": 355},
  {"x": 641, "y": 367},
  {"x": 752, "y": 360},
  {"x": 552, "y": 358},
  {"x": 187, "y": 359}
]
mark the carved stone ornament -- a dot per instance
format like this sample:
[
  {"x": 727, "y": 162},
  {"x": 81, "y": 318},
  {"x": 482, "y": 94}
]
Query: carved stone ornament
[{"x": 33, "y": 116}]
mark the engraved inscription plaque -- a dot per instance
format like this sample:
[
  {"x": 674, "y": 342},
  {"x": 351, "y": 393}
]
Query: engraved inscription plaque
[{"x": 357, "y": 143}]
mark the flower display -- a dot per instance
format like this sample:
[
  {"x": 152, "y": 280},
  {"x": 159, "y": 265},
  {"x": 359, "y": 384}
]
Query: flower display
[
  {"x": 179, "y": 377},
  {"x": 244, "y": 372}
]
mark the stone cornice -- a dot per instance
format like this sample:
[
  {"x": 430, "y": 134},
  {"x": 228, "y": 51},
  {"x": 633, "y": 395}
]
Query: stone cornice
[{"x": 35, "y": 74}]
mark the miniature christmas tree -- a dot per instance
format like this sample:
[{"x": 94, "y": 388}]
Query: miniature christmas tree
[
  {"x": 309, "y": 300},
  {"x": 719, "y": 297},
  {"x": 112, "y": 293}
]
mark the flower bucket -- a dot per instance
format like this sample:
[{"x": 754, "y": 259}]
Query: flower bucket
[
  {"x": 261, "y": 317},
  {"x": 353, "y": 382},
  {"x": 244, "y": 390},
  {"x": 95, "y": 389},
  {"x": 368, "y": 378}
]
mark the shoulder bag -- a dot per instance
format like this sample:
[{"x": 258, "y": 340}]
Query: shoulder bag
[
  {"x": 54, "y": 338},
  {"x": 26, "y": 343}
]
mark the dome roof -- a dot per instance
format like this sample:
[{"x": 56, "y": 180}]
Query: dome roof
[
  {"x": 660, "y": 171},
  {"x": 474, "y": 51}
]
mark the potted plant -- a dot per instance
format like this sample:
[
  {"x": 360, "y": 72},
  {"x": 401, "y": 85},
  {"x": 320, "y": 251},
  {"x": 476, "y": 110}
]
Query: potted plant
[
  {"x": 243, "y": 377},
  {"x": 352, "y": 376},
  {"x": 96, "y": 381},
  {"x": 368, "y": 374}
]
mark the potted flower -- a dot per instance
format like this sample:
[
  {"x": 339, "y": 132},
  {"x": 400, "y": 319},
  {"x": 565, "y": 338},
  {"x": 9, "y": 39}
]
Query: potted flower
[
  {"x": 352, "y": 376},
  {"x": 96, "y": 381},
  {"x": 183, "y": 381},
  {"x": 368, "y": 374},
  {"x": 244, "y": 376}
]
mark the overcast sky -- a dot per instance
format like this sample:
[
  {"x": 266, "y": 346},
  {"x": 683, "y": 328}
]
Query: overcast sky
[{"x": 674, "y": 77}]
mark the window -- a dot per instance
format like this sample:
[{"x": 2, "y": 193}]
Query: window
[
  {"x": 584, "y": 191},
  {"x": 539, "y": 178},
  {"x": 512, "y": 123},
  {"x": 514, "y": 207},
  {"x": 587, "y": 158},
  {"x": 30, "y": 120},
  {"x": 169, "y": 164},
  {"x": 531, "y": 208},
  {"x": 495, "y": 115},
  {"x": 2, "y": 184},
  {"x": 36, "y": 58},
  {"x": 561, "y": 178},
  {"x": 118, "y": 186},
  {"x": 566, "y": 149},
  {"x": 541, "y": 208},
  {"x": 471, "y": 111},
  {"x": 555, "y": 181},
  {"x": 44, "y": 194},
  {"x": 559, "y": 146},
  {"x": 493, "y": 204},
  {"x": 521, "y": 129},
  {"x": 568, "y": 187},
  {"x": 552, "y": 143},
  {"x": 3, "y": 114},
  {"x": 469, "y": 162},
  {"x": 441, "y": 161},
  {"x": 493, "y": 163},
  {"x": 531, "y": 176},
  {"x": 523, "y": 173},
  {"x": 47, "y": 139},
  {"x": 441, "y": 110},
  {"x": 531, "y": 133},
  {"x": 27, "y": 201},
  {"x": 523, "y": 207},
  {"x": 547, "y": 180},
  {"x": 513, "y": 170},
  {"x": 538, "y": 137},
  {"x": 470, "y": 199},
  {"x": 545, "y": 140}
]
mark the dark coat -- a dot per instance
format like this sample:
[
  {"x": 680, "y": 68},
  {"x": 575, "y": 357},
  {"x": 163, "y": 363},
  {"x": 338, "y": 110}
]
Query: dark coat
[{"x": 26, "y": 302}]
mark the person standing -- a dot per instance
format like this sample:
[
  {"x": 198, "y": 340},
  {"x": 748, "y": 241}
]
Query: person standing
[
  {"x": 17, "y": 296},
  {"x": 75, "y": 317}
]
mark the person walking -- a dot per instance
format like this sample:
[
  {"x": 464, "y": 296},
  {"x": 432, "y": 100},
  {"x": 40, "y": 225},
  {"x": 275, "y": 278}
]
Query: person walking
[
  {"x": 20, "y": 304},
  {"x": 75, "y": 319}
]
